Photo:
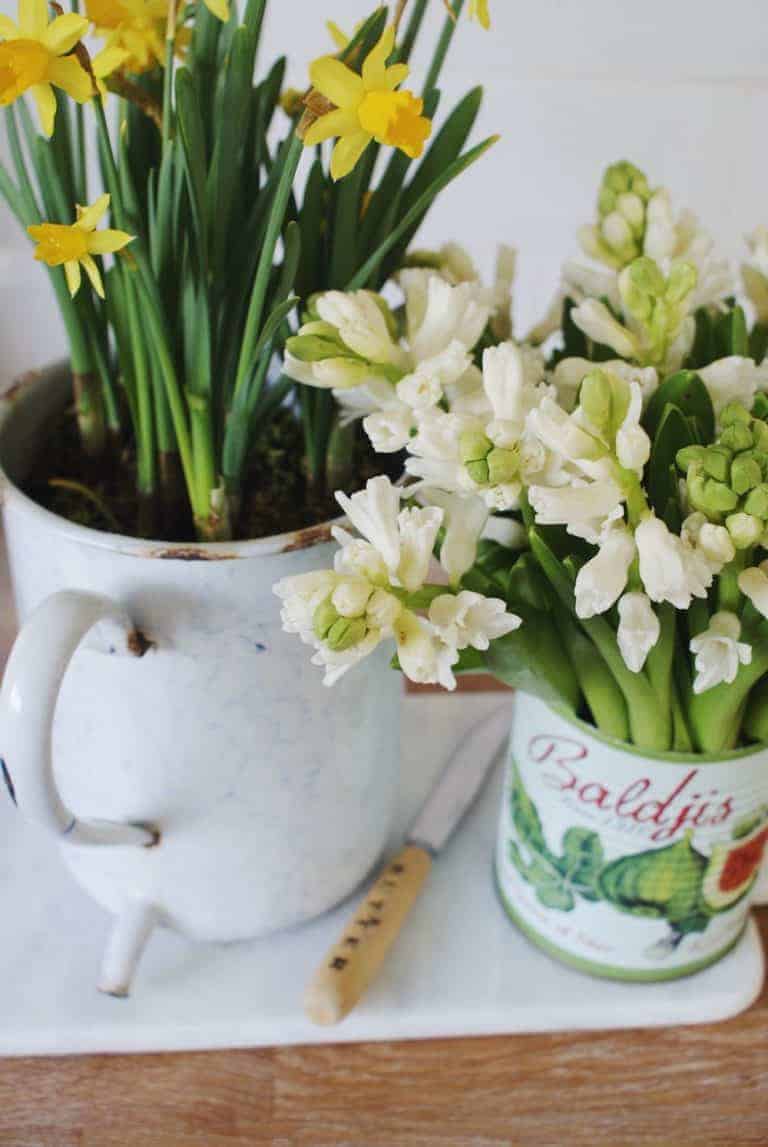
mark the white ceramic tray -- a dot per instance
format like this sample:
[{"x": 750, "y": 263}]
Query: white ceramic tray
[{"x": 460, "y": 967}]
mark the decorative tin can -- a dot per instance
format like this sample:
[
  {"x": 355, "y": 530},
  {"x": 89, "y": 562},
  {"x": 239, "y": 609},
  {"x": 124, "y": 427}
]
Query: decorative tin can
[{"x": 625, "y": 864}]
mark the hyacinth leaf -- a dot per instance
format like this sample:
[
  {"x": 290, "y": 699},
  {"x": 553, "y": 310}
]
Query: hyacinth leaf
[
  {"x": 369, "y": 268},
  {"x": 532, "y": 659},
  {"x": 687, "y": 392},
  {"x": 575, "y": 342},
  {"x": 758, "y": 342},
  {"x": 703, "y": 350},
  {"x": 760, "y": 406},
  {"x": 672, "y": 434},
  {"x": 445, "y": 147},
  {"x": 731, "y": 334}
]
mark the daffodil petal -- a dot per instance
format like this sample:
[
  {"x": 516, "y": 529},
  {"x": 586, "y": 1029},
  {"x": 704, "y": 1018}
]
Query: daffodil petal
[
  {"x": 395, "y": 76},
  {"x": 88, "y": 217},
  {"x": 336, "y": 82},
  {"x": 45, "y": 102},
  {"x": 220, "y": 9},
  {"x": 347, "y": 152},
  {"x": 33, "y": 18},
  {"x": 338, "y": 122},
  {"x": 107, "y": 61},
  {"x": 107, "y": 242},
  {"x": 8, "y": 30},
  {"x": 375, "y": 65},
  {"x": 66, "y": 73},
  {"x": 73, "y": 276},
  {"x": 94, "y": 274},
  {"x": 64, "y": 32}
]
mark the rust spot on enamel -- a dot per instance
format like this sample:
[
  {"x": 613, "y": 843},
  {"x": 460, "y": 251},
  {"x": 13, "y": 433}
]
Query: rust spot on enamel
[
  {"x": 20, "y": 384},
  {"x": 138, "y": 644},
  {"x": 190, "y": 554},
  {"x": 311, "y": 536}
]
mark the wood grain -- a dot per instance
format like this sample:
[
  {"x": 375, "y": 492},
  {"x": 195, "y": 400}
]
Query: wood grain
[{"x": 679, "y": 1087}]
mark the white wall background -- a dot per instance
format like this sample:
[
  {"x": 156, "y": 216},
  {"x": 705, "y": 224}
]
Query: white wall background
[{"x": 679, "y": 87}]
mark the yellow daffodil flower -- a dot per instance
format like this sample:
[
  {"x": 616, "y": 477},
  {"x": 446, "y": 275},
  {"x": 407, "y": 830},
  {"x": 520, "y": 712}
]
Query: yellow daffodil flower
[
  {"x": 478, "y": 10},
  {"x": 367, "y": 107},
  {"x": 105, "y": 63},
  {"x": 74, "y": 245},
  {"x": 34, "y": 57},
  {"x": 138, "y": 29}
]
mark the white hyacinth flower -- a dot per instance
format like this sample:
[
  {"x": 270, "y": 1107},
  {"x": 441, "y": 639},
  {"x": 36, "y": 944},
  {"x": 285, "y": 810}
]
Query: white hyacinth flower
[
  {"x": 389, "y": 431},
  {"x": 435, "y": 455},
  {"x": 468, "y": 619},
  {"x": 638, "y": 630},
  {"x": 633, "y": 446},
  {"x": 601, "y": 581},
  {"x": 513, "y": 381},
  {"x": 563, "y": 433},
  {"x": 418, "y": 530},
  {"x": 373, "y": 512},
  {"x": 465, "y": 520},
  {"x": 713, "y": 542},
  {"x": 361, "y": 325},
  {"x": 575, "y": 505},
  {"x": 596, "y": 321},
  {"x": 569, "y": 374},
  {"x": 755, "y": 273},
  {"x": 424, "y": 657},
  {"x": 301, "y": 595},
  {"x": 671, "y": 569},
  {"x": 438, "y": 313},
  {"x": 753, "y": 583},
  {"x": 424, "y": 386},
  {"x": 734, "y": 379},
  {"x": 719, "y": 653}
]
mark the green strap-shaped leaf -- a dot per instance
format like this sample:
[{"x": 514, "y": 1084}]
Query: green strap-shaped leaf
[{"x": 445, "y": 147}]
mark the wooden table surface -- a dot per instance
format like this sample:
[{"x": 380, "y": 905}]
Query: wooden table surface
[{"x": 679, "y": 1087}]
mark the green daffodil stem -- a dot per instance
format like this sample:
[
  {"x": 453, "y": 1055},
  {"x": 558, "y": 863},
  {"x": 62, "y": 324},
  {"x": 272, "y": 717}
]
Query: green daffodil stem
[
  {"x": 170, "y": 49},
  {"x": 715, "y": 716},
  {"x": 755, "y": 723},
  {"x": 412, "y": 30},
  {"x": 275, "y": 222},
  {"x": 441, "y": 49}
]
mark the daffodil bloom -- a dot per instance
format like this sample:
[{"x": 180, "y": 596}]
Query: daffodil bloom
[
  {"x": 34, "y": 57},
  {"x": 367, "y": 107},
  {"x": 74, "y": 245},
  {"x": 138, "y": 28},
  {"x": 478, "y": 10},
  {"x": 105, "y": 63}
]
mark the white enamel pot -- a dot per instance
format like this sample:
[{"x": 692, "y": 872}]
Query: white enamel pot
[
  {"x": 626, "y": 864},
  {"x": 157, "y": 721}
]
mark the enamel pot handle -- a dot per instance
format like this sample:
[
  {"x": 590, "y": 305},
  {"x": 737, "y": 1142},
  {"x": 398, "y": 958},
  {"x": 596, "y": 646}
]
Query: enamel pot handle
[{"x": 33, "y": 676}]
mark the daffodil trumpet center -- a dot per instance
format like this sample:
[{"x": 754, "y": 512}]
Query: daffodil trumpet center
[
  {"x": 395, "y": 119},
  {"x": 58, "y": 244}
]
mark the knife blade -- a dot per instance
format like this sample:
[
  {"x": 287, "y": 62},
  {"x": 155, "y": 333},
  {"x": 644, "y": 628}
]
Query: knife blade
[{"x": 353, "y": 962}]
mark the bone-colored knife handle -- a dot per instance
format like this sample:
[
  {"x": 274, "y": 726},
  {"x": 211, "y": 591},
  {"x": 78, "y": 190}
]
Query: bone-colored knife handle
[{"x": 352, "y": 964}]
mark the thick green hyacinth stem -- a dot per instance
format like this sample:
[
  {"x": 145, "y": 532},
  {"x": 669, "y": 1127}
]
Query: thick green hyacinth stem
[
  {"x": 715, "y": 716},
  {"x": 601, "y": 691},
  {"x": 755, "y": 723}
]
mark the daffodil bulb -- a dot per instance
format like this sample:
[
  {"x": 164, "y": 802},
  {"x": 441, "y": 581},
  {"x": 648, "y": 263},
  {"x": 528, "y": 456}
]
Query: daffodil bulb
[
  {"x": 638, "y": 630},
  {"x": 601, "y": 581},
  {"x": 718, "y": 652}
]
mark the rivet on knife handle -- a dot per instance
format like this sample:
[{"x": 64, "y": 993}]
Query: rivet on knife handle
[{"x": 352, "y": 964}]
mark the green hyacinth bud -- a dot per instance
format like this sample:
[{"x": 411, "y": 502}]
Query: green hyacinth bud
[
  {"x": 760, "y": 435},
  {"x": 345, "y": 633},
  {"x": 745, "y": 530},
  {"x": 324, "y": 618},
  {"x": 503, "y": 466},
  {"x": 682, "y": 279},
  {"x": 474, "y": 448},
  {"x": 596, "y": 399},
  {"x": 746, "y": 473},
  {"x": 734, "y": 412},
  {"x": 757, "y": 501},
  {"x": 717, "y": 462},
  {"x": 737, "y": 437},
  {"x": 710, "y": 496},
  {"x": 622, "y": 177},
  {"x": 690, "y": 456}
]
